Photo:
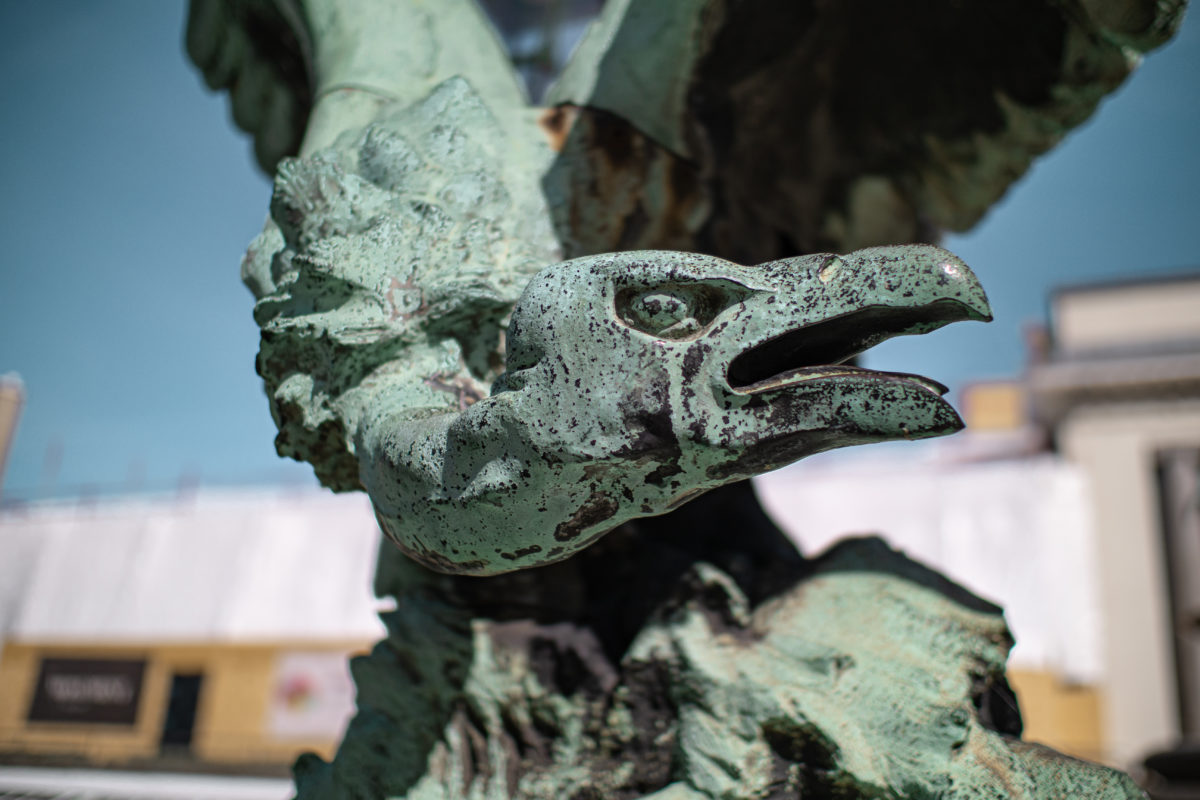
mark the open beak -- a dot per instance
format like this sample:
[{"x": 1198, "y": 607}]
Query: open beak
[{"x": 792, "y": 379}]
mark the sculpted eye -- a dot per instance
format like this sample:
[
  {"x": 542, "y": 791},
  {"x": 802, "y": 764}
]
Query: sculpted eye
[
  {"x": 661, "y": 312},
  {"x": 675, "y": 310}
]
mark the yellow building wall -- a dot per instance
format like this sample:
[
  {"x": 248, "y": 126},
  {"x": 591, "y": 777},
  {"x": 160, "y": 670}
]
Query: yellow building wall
[
  {"x": 994, "y": 406},
  {"x": 231, "y": 715},
  {"x": 1067, "y": 717}
]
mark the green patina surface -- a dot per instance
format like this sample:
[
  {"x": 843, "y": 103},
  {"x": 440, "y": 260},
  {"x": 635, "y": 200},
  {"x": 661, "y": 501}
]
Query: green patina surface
[
  {"x": 388, "y": 269},
  {"x": 865, "y": 679},
  {"x": 443, "y": 325}
]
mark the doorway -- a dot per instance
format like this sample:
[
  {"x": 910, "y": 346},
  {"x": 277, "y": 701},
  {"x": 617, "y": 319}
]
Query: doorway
[
  {"x": 1179, "y": 487},
  {"x": 180, "y": 721}
]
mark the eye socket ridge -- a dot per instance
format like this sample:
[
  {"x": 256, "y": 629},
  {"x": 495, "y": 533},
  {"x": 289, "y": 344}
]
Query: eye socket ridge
[{"x": 676, "y": 309}]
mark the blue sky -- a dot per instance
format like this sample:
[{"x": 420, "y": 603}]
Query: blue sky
[{"x": 129, "y": 198}]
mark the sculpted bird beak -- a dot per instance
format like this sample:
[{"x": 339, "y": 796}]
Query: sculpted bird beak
[{"x": 786, "y": 391}]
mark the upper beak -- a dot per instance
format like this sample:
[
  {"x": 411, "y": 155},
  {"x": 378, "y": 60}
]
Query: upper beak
[{"x": 824, "y": 310}]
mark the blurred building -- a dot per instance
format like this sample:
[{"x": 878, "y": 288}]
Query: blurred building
[
  {"x": 1120, "y": 390},
  {"x": 12, "y": 398},
  {"x": 194, "y": 631},
  {"x": 540, "y": 35}
]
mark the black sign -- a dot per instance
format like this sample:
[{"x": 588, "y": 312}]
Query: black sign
[{"x": 87, "y": 690}]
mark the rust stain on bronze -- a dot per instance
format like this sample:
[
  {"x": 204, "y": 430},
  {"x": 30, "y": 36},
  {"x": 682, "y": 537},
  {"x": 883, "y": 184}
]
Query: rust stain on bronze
[
  {"x": 464, "y": 392},
  {"x": 394, "y": 305},
  {"x": 557, "y": 123}
]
